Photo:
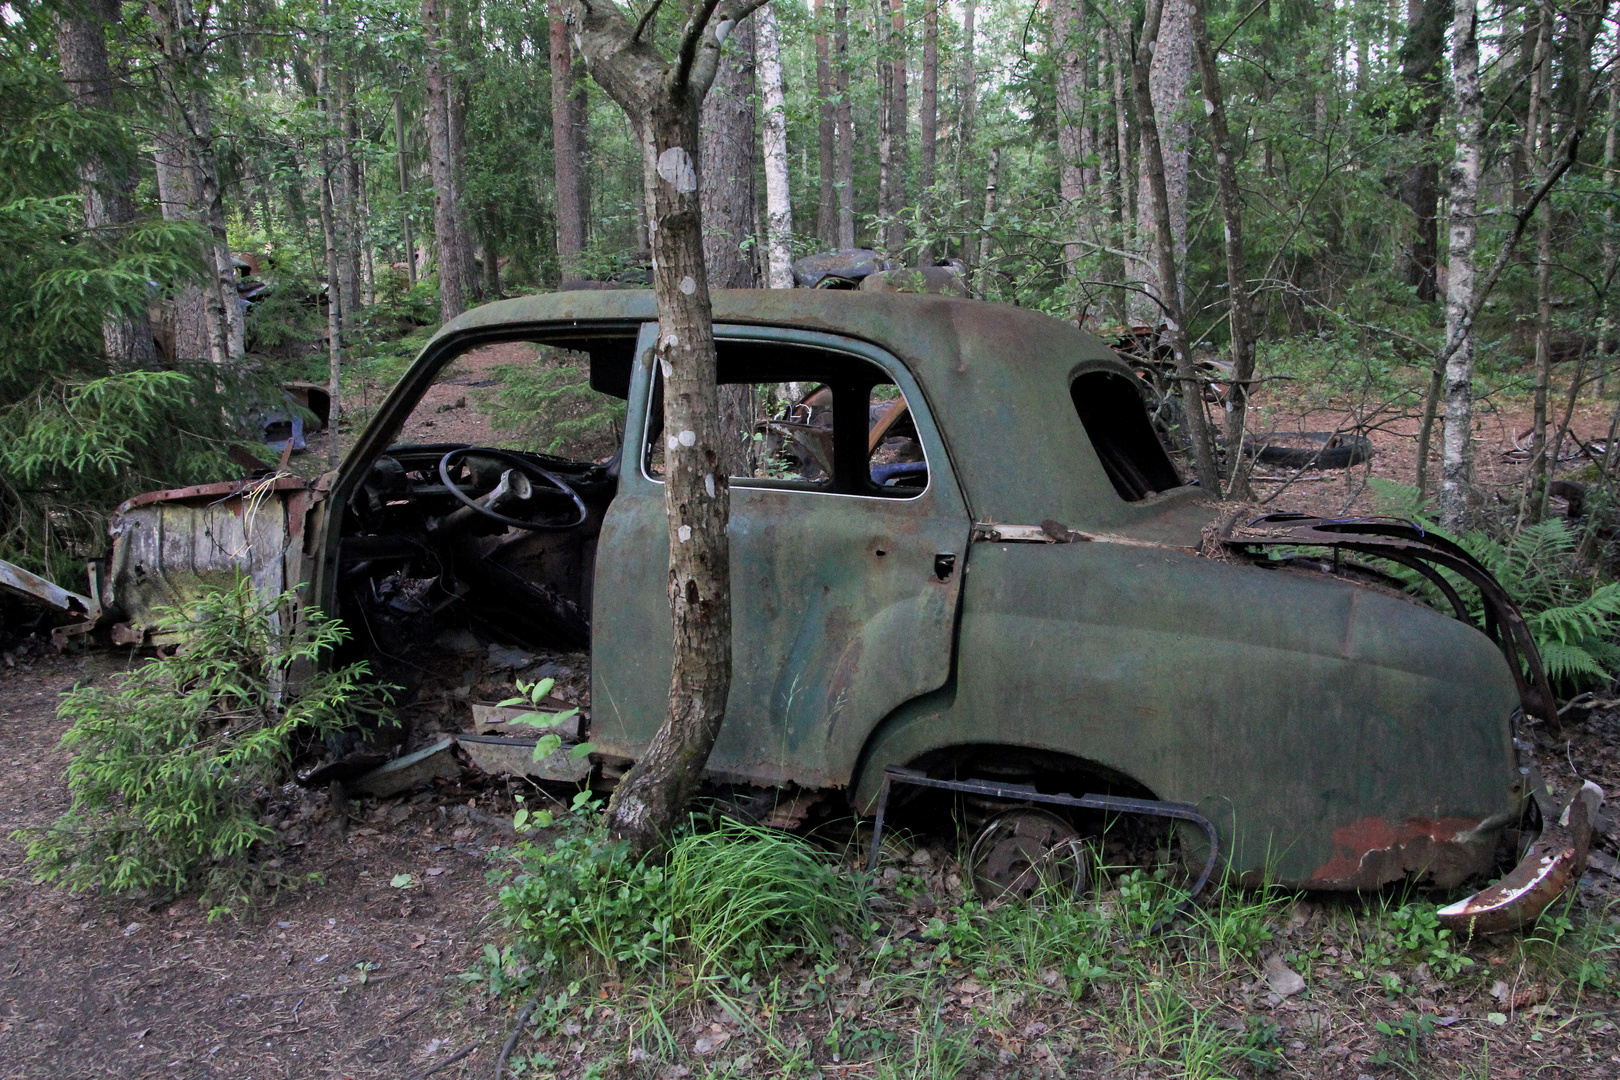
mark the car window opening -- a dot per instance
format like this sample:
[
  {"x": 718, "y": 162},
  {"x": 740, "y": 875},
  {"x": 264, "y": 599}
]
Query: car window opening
[
  {"x": 1116, "y": 421},
  {"x": 806, "y": 419}
]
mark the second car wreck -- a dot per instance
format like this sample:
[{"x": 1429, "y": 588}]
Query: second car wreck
[{"x": 970, "y": 561}]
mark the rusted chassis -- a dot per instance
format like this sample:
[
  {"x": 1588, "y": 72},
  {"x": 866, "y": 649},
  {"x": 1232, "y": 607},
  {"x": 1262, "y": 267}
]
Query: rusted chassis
[{"x": 1338, "y": 735}]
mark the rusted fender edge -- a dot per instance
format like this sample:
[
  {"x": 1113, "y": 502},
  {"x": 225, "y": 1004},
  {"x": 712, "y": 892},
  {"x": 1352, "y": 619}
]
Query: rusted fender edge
[
  {"x": 85, "y": 611},
  {"x": 1554, "y": 861}
]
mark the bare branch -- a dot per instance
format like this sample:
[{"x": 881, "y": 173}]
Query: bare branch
[
  {"x": 646, "y": 17},
  {"x": 697, "y": 34}
]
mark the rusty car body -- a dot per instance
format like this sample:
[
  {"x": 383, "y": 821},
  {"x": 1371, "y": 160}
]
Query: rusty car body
[{"x": 1040, "y": 600}]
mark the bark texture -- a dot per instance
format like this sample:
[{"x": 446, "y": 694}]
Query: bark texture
[
  {"x": 896, "y": 132},
  {"x": 1422, "y": 56},
  {"x": 826, "y": 121},
  {"x": 403, "y": 153},
  {"x": 778, "y": 198},
  {"x": 565, "y": 149},
  {"x": 1168, "y": 76},
  {"x": 1456, "y": 456},
  {"x": 1153, "y": 166},
  {"x": 108, "y": 184},
  {"x": 1237, "y": 282},
  {"x": 728, "y": 164},
  {"x": 845, "y": 117},
  {"x": 1069, "y": 46},
  {"x": 446, "y": 241},
  {"x": 928, "y": 135}
]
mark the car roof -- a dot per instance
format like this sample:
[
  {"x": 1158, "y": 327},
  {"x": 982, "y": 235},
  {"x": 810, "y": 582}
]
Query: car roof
[{"x": 996, "y": 379}]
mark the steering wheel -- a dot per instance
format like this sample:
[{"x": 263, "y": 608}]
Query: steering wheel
[{"x": 556, "y": 485}]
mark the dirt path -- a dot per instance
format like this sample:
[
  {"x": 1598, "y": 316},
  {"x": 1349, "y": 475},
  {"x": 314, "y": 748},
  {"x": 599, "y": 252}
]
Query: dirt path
[{"x": 350, "y": 978}]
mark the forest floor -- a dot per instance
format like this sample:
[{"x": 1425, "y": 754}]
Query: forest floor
[{"x": 354, "y": 977}]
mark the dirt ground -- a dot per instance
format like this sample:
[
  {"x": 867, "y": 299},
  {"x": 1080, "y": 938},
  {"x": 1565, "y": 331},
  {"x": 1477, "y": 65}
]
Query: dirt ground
[{"x": 348, "y": 978}]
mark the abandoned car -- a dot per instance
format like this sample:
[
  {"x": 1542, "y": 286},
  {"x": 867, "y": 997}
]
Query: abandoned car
[{"x": 961, "y": 559}]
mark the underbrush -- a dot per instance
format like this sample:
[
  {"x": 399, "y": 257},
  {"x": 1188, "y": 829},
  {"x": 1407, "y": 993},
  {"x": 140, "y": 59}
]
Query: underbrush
[
  {"x": 171, "y": 759},
  {"x": 749, "y": 953}
]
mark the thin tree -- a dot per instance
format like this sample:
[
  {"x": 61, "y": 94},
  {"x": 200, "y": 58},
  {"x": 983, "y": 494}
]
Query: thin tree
[
  {"x": 402, "y": 150},
  {"x": 661, "y": 96},
  {"x": 845, "y": 117},
  {"x": 897, "y": 133},
  {"x": 1069, "y": 47},
  {"x": 1237, "y": 282},
  {"x": 826, "y": 186},
  {"x": 967, "y": 101},
  {"x": 565, "y": 148},
  {"x": 928, "y": 133},
  {"x": 1164, "y": 244},
  {"x": 726, "y": 164},
  {"x": 446, "y": 241},
  {"x": 778, "y": 198}
]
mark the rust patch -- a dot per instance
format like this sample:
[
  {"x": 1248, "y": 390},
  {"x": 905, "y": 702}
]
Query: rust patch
[{"x": 1372, "y": 852}]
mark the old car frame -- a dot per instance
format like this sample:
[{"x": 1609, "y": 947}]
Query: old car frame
[{"x": 1049, "y": 605}]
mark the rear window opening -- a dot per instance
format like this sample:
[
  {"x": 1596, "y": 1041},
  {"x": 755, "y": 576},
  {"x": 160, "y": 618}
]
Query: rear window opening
[{"x": 1116, "y": 421}]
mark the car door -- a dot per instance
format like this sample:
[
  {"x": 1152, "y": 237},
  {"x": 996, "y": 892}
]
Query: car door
[{"x": 844, "y": 587}]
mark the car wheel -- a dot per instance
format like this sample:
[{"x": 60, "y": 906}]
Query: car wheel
[{"x": 1023, "y": 853}]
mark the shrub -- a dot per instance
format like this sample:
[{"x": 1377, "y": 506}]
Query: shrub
[
  {"x": 729, "y": 901},
  {"x": 170, "y": 759}
]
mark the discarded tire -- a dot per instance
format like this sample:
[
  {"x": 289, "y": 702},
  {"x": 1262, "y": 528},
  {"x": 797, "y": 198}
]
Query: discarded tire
[{"x": 1310, "y": 449}]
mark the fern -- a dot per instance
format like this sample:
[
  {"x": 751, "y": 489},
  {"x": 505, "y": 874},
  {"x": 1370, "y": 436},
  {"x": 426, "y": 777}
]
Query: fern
[{"x": 1576, "y": 627}]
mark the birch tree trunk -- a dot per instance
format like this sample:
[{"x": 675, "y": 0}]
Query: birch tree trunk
[
  {"x": 1153, "y": 165},
  {"x": 108, "y": 184},
  {"x": 565, "y": 149},
  {"x": 778, "y": 198},
  {"x": 348, "y": 204},
  {"x": 727, "y": 164},
  {"x": 845, "y": 117},
  {"x": 1456, "y": 454},
  {"x": 1237, "y": 282},
  {"x": 826, "y": 185},
  {"x": 447, "y": 244}
]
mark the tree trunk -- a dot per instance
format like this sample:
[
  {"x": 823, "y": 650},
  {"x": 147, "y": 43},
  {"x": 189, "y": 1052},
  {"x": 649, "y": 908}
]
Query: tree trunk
[
  {"x": 330, "y": 233},
  {"x": 472, "y": 285},
  {"x": 447, "y": 245},
  {"x": 988, "y": 224},
  {"x": 348, "y": 205},
  {"x": 894, "y": 235},
  {"x": 108, "y": 183},
  {"x": 1068, "y": 46},
  {"x": 826, "y": 187},
  {"x": 967, "y": 102},
  {"x": 404, "y": 190},
  {"x": 1538, "y": 150},
  {"x": 1421, "y": 58},
  {"x": 928, "y": 135},
  {"x": 1169, "y": 75},
  {"x": 727, "y": 164},
  {"x": 845, "y": 117},
  {"x": 180, "y": 40},
  {"x": 582, "y": 147},
  {"x": 1237, "y": 281},
  {"x": 1153, "y": 165},
  {"x": 1466, "y": 165},
  {"x": 188, "y": 338},
  {"x": 1611, "y": 255},
  {"x": 565, "y": 149},
  {"x": 778, "y": 198}
]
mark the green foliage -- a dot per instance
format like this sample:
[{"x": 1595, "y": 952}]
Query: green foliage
[
  {"x": 550, "y": 405},
  {"x": 1575, "y": 620},
  {"x": 533, "y": 694},
  {"x": 170, "y": 760},
  {"x": 728, "y": 902}
]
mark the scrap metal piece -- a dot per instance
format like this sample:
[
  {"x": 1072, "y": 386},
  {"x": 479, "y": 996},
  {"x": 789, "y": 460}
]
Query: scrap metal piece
[
  {"x": 84, "y": 610},
  {"x": 1115, "y": 804},
  {"x": 1557, "y": 858},
  {"x": 515, "y": 757},
  {"x": 412, "y": 770}
]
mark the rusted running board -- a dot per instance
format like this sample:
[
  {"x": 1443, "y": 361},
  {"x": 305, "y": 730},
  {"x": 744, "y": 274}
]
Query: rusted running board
[{"x": 1554, "y": 861}]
